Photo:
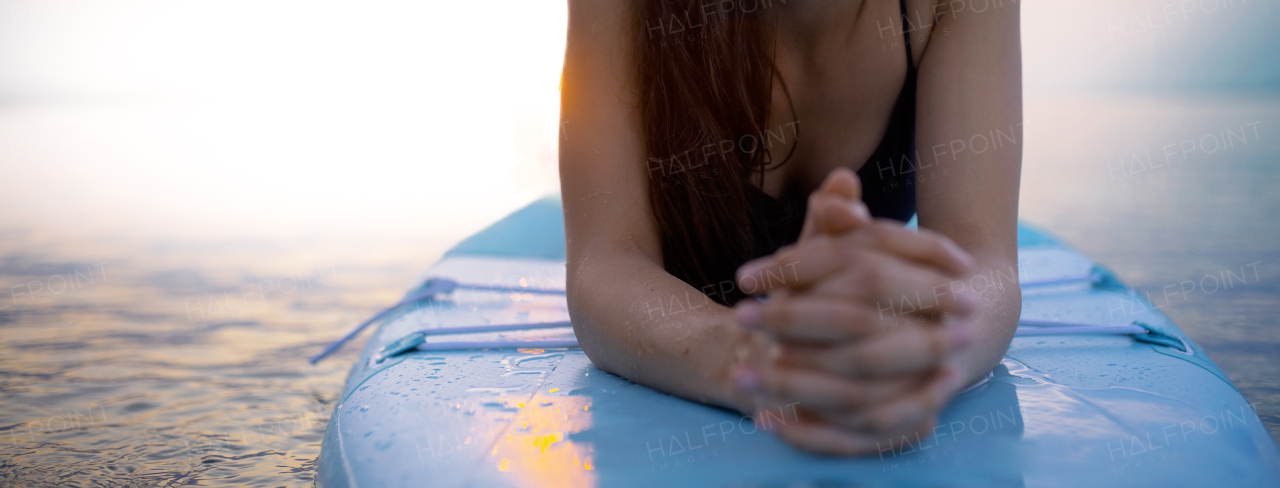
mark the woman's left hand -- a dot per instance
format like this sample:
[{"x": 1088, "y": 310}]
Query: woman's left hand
[
  {"x": 859, "y": 377},
  {"x": 848, "y": 353}
]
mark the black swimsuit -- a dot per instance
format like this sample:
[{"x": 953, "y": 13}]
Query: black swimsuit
[{"x": 888, "y": 177}]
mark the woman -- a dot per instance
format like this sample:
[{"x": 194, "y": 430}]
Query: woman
[{"x": 735, "y": 178}]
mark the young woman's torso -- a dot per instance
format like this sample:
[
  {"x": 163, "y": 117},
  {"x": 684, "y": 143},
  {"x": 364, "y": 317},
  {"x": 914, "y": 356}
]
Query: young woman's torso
[{"x": 844, "y": 64}]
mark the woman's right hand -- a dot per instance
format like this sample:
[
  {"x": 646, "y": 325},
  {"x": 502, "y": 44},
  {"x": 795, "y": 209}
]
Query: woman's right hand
[{"x": 860, "y": 378}]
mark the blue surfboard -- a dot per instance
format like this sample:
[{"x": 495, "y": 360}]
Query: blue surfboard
[{"x": 492, "y": 403}]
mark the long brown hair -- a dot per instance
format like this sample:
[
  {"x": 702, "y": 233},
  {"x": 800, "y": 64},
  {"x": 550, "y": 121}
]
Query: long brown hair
[{"x": 705, "y": 77}]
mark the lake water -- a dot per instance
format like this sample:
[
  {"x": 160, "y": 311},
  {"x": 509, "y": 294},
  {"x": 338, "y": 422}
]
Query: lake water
[
  {"x": 1174, "y": 193},
  {"x": 134, "y": 359}
]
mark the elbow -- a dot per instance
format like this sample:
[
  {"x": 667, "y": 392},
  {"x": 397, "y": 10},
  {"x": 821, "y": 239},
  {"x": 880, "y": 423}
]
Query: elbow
[
  {"x": 591, "y": 338},
  {"x": 601, "y": 281},
  {"x": 596, "y": 345}
]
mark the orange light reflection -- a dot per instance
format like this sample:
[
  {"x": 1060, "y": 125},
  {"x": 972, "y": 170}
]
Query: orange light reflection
[{"x": 537, "y": 452}]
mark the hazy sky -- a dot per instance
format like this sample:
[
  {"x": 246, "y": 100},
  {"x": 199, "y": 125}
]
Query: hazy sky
[{"x": 290, "y": 116}]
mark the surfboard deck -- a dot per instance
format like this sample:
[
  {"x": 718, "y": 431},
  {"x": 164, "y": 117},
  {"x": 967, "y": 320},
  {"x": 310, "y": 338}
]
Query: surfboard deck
[{"x": 1092, "y": 410}]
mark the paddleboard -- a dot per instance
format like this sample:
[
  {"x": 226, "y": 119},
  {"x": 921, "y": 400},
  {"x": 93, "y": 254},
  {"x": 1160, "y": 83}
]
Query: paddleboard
[{"x": 1070, "y": 410}]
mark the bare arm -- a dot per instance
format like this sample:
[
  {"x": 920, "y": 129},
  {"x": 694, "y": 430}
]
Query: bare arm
[
  {"x": 632, "y": 317},
  {"x": 970, "y": 91}
]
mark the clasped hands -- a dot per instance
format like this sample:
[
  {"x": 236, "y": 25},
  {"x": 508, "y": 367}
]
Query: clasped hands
[{"x": 863, "y": 327}]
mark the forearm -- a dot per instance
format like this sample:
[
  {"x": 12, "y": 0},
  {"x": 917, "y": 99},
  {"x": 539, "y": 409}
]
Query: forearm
[{"x": 636, "y": 320}]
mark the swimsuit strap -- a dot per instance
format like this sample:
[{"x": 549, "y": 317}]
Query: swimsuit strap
[{"x": 911, "y": 64}]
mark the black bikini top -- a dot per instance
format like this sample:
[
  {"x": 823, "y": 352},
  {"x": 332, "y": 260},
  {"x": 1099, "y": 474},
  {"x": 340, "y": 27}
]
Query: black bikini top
[{"x": 888, "y": 184}]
